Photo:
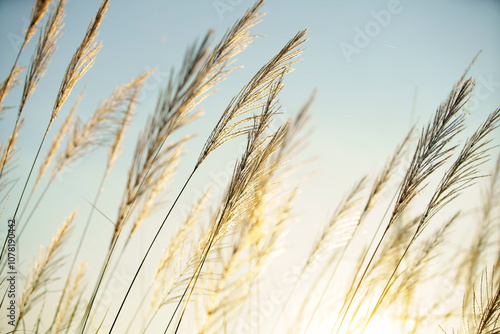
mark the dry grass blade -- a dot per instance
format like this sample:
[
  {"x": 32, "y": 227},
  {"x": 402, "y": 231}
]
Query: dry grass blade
[
  {"x": 38, "y": 11},
  {"x": 148, "y": 203},
  {"x": 346, "y": 233},
  {"x": 44, "y": 51},
  {"x": 145, "y": 181},
  {"x": 174, "y": 278},
  {"x": 428, "y": 250},
  {"x": 181, "y": 237},
  {"x": 386, "y": 174},
  {"x": 486, "y": 309},
  {"x": 254, "y": 243},
  {"x": 252, "y": 97},
  {"x": 378, "y": 186},
  {"x": 80, "y": 63},
  {"x": 381, "y": 267},
  {"x": 44, "y": 269},
  {"x": 175, "y": 105},
  {"x": 63, "y": 316},
  {"x": 257, "y": 240},
  {"x": 82, "y": 60},
  {"x": 150, "y": 156},
  {"x": 8, "y": 84},
  {"x": 132, "y": 90},
  {"x": 6, "y": 158},
  {"x": 392, "y": 248},
  {"x": 57, "y": 141},
  {"x": 431, "y": 152},
  {"x": 476, "y": 254},
  {"x": 100, "y": 130},
  {"x": 495, "y": 199},
  {"x": 464, "y": 171},
  {"x": 239, "y": 200},
  {"x": 173, "y": 270},
  {"x": 7, "y": 154},
  {"x": 462, "y": 174},
  {"x": 381, "y": 181},
  {"x": 202, "y": 70},
  {"x": 42, "y": 56},
  {"x": 296, "y": 140},
  {"x": 103, "y": 127},
  {"x": 114, "y": 120},
  {"x": 231, "y": 293},
  {"x": 341, "y": 224},
  {"x": 254, "y": 162},
  {"x": 198, "y": 75}
]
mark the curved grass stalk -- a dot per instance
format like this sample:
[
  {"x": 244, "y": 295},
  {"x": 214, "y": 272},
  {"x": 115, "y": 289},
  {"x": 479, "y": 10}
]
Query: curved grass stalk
[
  {"x": 38, "y": 11},
  {"x": 342, "y": 216},
  {"x": 461, "y": 175},
  {"x": 238, "y": 199},
  {"x": 380, "y": 182},
  {"x": 258, "y": 89},
  {"x": 41, "y": 59},
  {"x": 431, "y": 153},
  {"x": 82, "y": 61}
]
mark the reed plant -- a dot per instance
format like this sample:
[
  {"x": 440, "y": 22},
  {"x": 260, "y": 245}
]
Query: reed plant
[{"x": 212, "y": 275}]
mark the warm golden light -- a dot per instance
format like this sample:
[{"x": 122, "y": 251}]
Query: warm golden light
[{"x": 380, "y": 326}]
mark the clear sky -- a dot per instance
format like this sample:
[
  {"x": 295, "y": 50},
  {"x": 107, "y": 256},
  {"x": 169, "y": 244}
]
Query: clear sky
[{"x": 379, "y": 67}]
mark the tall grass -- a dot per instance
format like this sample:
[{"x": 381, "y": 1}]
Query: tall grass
[{"x": 212, "y": 275}]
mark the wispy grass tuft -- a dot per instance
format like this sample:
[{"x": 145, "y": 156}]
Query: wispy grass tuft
[{"x": 43, "y": 269}]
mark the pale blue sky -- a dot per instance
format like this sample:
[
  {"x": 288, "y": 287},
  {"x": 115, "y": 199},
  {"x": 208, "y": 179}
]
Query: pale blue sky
[{"x": 363, "y": 106}]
